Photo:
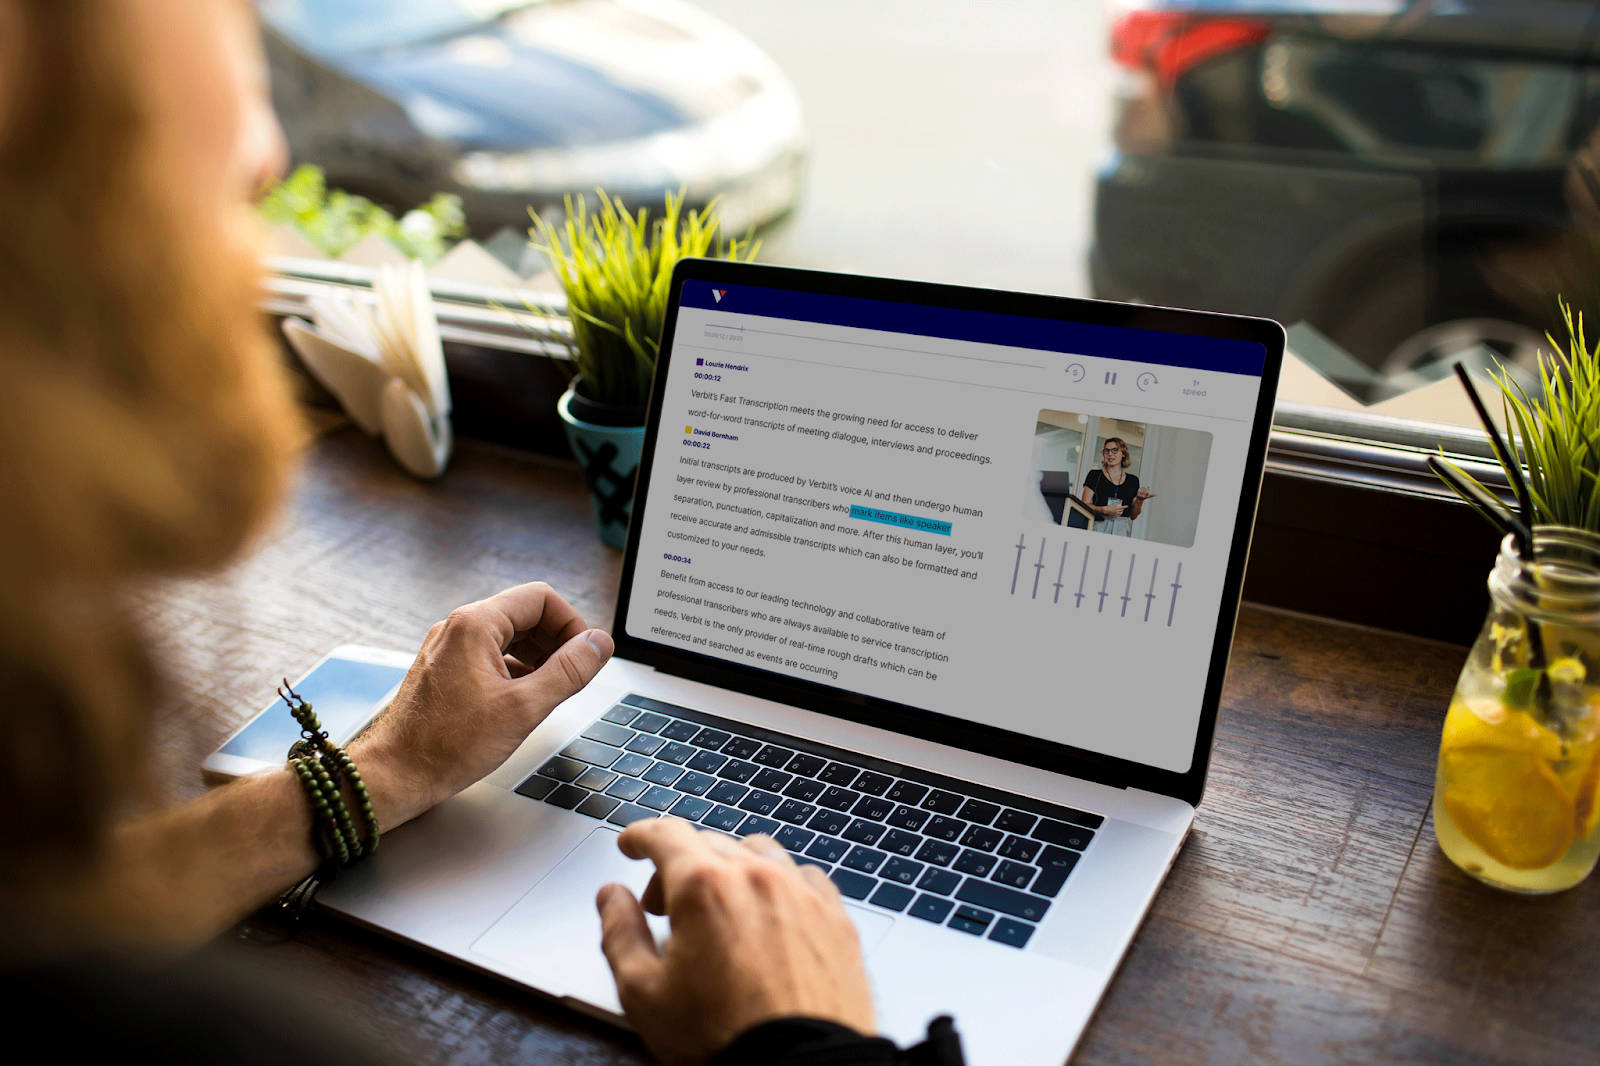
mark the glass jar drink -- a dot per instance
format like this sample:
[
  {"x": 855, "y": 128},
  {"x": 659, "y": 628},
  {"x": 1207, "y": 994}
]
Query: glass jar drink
[{"x": 1516, "y": 798}]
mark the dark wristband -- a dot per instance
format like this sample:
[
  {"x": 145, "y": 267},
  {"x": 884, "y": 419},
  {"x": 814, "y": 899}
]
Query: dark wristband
[{"x": 814, "y": 1042}]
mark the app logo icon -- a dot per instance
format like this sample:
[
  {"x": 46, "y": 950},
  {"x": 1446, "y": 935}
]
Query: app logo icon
[{"x": 718, "y": 294}]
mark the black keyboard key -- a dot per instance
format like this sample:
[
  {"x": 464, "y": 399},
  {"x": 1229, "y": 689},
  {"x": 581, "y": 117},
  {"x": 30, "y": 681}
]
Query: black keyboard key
[
  {"x": 662, "y": 773},
  {"x": 931, "y": 909},
  {"x": 840, "y": 799},
  {"x": 837, "y": 773},
  {"x": 726, "y": 792},
  {"x": 828, "y": 849},
  {"x": 676, "y": 753},
  {"x": 1019, "y": 848},
  {"x": 710, "y": 739},
  {"x": 1014, "y": 874},
  {"x": 806, "y": 765},
  {"x": 773, "y": 756},
  {"x": 632, "y": 764},
  {"x": 975, "y": 863},
  {"x": 568, "y": 796},
  {"x": 804, "y": 789},
  {"x": 657, "y": 798},
  {"x": 741, "y": 747},
  {"x": 537, "y": 787},
  {"x": 724, "y": 818},
  {"x": 1054, "y": 866},
  {"x": 941, "y": 802},
  {"x": 806, "y": 860},
  {"x": 695, "y": 783},
  {"x": 627, "y": 788},
  {"x": 595, "y": 779},
  {"x": 830, "y": 822},
  {"x": 794, "y": 811},
  {"x": 873, "y": 807},
  {"x": 873, "y": 784},
  {"x": 911, "y": 818},
  {"x": 902, "y": 870},
  {"x": 680, "y": 730},
  {"x": 865, "y": 859},
  {"x": 707, "y": 762},
  {"x": 942, "y": 828},
  {"x": 1059, "y": 833},
  {"x": 1005, "y": 900},
  {"x": 892, "y": 897},
  {"x": 607, "y": 733},
  {"x": 646, "y": 744},
  {"x": 621, "y": 714},
  {"x": 979, "y": 811},
  {"x": 852, "y": 885},
  {"x": 981, "y": 837},
  {"x": 757, "y": 824},
  {"x": 941, "y": 881},
  {"x": 967, "y": 926},
  {"x": 629, "y": 813},
  {"x": 793, "y": 838},
  {"x": 863, "y": 832},
  {"x": 759, "y": 802},
  {"x": 563, "y": 769},
  {"x": 900, "y": 842},
  {"x": 937, "y": 852},
  {"x": 907, "y": 792},
  {"x": 770, "y": 780},
  {"x": 690, "y": 809},
  {"x": 971, "y": 920},
  {"x": 650, "y": 722},
  {"x": 738, "y": 770},
  {"x": 1018, "y": 822},
  {"x": 1011, "y": 932},
  {"x": 598, "y": 806}
]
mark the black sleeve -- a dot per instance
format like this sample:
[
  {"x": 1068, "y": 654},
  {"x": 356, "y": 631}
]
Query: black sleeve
[
  {"x": 813, "y": 1042},
  {"x": 1092, "y": 485}
]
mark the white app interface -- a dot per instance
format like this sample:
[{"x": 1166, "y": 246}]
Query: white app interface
[{"x": 1027, "y": 537}]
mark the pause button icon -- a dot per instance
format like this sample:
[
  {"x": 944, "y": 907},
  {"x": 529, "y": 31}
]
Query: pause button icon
[{"x": 1111, "y": 377}]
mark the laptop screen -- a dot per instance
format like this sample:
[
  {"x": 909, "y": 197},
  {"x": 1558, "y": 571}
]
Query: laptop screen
[{"x": 1016, "y": 521}]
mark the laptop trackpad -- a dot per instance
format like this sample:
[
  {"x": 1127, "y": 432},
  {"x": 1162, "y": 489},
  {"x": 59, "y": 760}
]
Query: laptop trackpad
[{"x": 551, "y": 937}]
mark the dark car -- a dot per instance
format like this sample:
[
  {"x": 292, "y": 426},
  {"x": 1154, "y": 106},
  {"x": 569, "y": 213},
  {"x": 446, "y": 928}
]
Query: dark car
[
  {"x": 1392, "y": 173},
  {"x": 508, "y": 103}
]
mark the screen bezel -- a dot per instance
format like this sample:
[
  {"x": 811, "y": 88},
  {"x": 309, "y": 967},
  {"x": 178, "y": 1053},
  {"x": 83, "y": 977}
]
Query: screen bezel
[{"x": 1000, "y": 743}]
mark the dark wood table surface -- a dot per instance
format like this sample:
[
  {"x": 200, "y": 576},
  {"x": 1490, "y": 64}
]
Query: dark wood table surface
[{"x": 1309, "y": 918}]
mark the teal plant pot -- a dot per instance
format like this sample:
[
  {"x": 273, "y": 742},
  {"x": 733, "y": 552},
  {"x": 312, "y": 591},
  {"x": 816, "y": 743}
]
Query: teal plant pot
[{"x": 609, "y": 456}]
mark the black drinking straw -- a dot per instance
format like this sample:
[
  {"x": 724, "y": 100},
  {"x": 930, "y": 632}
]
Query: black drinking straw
[
  {"x": 1523, "y": 530},
  {"x": 1487, "y": 502}
]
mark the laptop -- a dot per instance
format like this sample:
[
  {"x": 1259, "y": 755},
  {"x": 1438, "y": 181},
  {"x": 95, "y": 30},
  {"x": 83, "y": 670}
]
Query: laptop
[{"x": 850, "y": 618}]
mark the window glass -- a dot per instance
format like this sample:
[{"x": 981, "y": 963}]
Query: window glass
[{"x": 1404, "y": 185}]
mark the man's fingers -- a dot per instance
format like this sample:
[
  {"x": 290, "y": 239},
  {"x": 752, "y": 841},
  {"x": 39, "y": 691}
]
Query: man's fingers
[
  {"x": 767, "y": 848},
  {"x": 526, "y": 607},
  {"x": 625, "y": 937},
  {"x": 569, "y": 668}
]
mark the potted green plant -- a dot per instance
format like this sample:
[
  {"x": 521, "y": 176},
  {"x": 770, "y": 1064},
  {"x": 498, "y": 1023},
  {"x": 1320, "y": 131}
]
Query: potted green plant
[{"x": 615, "y": 267}]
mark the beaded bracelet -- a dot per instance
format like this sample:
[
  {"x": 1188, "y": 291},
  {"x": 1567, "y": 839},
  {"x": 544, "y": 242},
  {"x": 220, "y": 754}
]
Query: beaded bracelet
[{"x": 323, "y": 768}]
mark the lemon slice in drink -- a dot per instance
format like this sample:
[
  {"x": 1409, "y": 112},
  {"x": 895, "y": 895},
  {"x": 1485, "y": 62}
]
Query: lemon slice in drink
[{"x": 1509, "y": 803}]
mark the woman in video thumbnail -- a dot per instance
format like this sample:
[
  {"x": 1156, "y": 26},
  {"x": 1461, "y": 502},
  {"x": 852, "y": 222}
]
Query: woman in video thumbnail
[{"x": 1113, "y": 493}]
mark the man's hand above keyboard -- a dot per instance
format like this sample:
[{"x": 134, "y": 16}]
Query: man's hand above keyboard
[{"x": 754, "y": 937}]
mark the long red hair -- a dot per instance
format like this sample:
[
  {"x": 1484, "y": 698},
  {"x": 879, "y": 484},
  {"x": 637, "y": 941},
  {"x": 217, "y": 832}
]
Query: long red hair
[{"x": 145, "y": 430}]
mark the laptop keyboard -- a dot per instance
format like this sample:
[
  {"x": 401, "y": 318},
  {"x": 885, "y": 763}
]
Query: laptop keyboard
[{"x": 964, "y": 856}]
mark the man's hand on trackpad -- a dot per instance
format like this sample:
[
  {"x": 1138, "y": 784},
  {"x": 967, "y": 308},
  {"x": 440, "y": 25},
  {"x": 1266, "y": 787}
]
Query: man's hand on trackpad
[{"x": 754, "y": 937}]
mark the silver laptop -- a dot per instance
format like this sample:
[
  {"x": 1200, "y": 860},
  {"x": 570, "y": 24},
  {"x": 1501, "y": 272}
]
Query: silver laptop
[{"x": 934, "y": 585}]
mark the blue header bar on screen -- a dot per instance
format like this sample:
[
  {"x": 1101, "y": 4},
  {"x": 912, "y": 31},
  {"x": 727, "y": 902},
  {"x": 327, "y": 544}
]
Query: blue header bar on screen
[{"x": 985, "y": 327}]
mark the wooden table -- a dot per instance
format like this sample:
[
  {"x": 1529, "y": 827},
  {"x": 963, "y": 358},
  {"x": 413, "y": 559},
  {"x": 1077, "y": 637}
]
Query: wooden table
[{"x": 1310, "y": 917}]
